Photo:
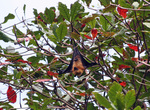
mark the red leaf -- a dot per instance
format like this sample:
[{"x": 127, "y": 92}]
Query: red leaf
[
  {"x": 134, "y": 59},
  {"x": 123, "y": 84},
  {"x": 123, "y": 67},
  {"x": 11, "y": 95},
  {"x": 88, "y": 37},
  {"x": 94, "y": 32},
  {"x": 122, "y": 12},
  {"x": 135, "y": 48},
  {"x": 82, "y": 94},
  {"x": 42, "y": 80},
  {"x": 23, "y": 61},
  {"x": 50, "y": 73}
]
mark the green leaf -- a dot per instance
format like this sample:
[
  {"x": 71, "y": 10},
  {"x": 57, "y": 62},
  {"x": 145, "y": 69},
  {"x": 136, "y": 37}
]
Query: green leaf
[
  {"x": 34, "y": 59},
  {"x": 104, "y": 2},
  {"x": 17, "y": 32},
  {"x": 109, "y": 8},
  {"x": 88, "y": 19},
  {"x": 104, "y": 22},
  {"x": 129, "y": 99},
  {"x": 90, "y": 106},
  {"x": 114, "y": 89},
  {"x": 4, "y": 37},
  {"x": 138, "y": 108},
  {"x": 147, "y": 24},
  {"x": 64, "y": 11},
  {"x": 43, "y": 18},
  {"x": 102, "y": 100},
  {"x": 123, "y": 3},
  {"x": 118, "y": 49},
  {"x": 92, "y": 23},
  {"x": 24, "y": 8},
  {"x": 17, "y": 75},
  {"x": 75, "y": 9},
  {"x": 50, "y": 15},
  {"x": 43, "y": 25},
  {"x": 60, "y": 49},
  {"x": 8, "y": 17},
  {"x": 35, "y": 12},
  {"x": 61, "y": 31},
  {"x": 75, "y": 35},
  {"x": 2, "y": 70},
  {"x": 54, "y": 27},
  {"x": 120, "y": 101},
  {"x": 88, "y": 2},
  {"x": 131, "y": 52}
]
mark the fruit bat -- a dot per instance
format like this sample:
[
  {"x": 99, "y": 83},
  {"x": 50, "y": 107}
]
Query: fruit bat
[{"x": 78, "y": 64}]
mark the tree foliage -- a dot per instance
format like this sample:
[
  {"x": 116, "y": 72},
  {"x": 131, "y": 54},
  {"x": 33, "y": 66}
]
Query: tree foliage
[{"x": 116, "y": 38}]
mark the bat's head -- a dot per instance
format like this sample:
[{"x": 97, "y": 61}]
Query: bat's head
[
  {"x": 77, "y": 71},
  {"x": 77, "y": 68}
]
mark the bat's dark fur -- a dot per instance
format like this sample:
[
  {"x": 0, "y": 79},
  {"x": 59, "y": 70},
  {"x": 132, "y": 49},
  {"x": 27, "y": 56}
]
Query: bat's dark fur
[{"x": 78, "y": 64}]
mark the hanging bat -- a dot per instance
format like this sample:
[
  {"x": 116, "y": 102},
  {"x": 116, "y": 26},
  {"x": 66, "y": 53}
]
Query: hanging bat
[{"x": 78, "y": 64}]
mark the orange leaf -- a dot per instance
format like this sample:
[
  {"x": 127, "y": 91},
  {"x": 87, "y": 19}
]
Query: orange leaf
[
  {"x": 11, "y": 95},
  {"x": 88, "y": 37},
  {"x": 122, "y": 12}
]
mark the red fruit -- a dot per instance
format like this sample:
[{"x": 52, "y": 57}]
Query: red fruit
[
  {"x": 83, "y": 25},
  {"x": 55, "y": 20},
  {"x": 80, "y": 16},
  {"x": 96, "y": 57},
  {"x": 39, "y": 17},
  {"x": 38, "y": 69},
  {"x": 94, "y": 32},
  {"x": 122, "y": 12},
  {"x": 11, "y": 95}
]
